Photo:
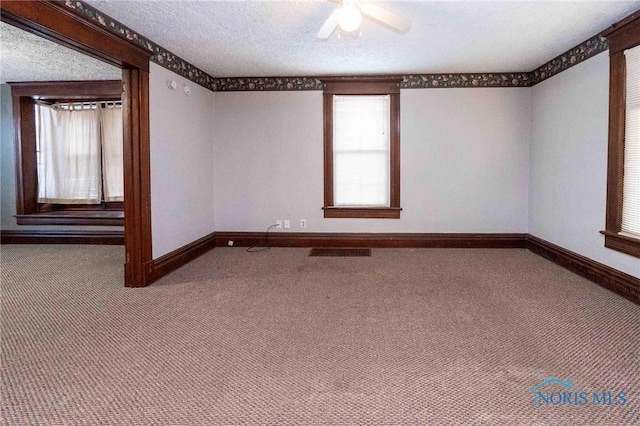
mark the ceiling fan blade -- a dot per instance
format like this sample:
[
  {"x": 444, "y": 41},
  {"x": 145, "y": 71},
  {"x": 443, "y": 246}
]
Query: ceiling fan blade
[
  {"x": 389, "y": 19},
  {"x": 329, "y": 25}
]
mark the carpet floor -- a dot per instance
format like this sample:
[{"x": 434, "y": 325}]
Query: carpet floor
[{"x": 404, "y": 337}]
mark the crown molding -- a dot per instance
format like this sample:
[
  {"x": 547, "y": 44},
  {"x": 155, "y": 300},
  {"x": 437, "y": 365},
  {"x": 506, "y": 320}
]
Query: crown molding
[{"x": 166, "y": 59}]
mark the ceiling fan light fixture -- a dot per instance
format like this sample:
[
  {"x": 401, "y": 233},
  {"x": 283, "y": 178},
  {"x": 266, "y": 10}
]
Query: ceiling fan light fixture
[
  {"x": 350, "y": 18},
  {"x": 346, "y": 20}
]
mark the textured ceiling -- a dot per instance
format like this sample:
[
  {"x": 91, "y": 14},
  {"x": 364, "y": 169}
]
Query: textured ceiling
[
  {"x": 26, "y": 57},
  {"x": 277, "y": 38}
]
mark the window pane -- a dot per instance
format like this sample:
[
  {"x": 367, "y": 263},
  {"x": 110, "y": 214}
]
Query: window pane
[
  {"x": 361, "y": 150},
  {"x": 631, "y": 180},
  {"x": 363, "y": 179}
]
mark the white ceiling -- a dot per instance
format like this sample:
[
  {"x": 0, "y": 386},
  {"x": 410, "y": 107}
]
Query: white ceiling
[
  {"x": 26, "y": 57},
  {"x": 277, "y": 38}
]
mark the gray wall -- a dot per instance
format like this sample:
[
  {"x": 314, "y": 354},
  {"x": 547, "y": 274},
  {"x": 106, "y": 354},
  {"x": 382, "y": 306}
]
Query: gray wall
[
  {"x": 181, "y": 162},
  {"x": 568, "y": 164},
  {"x": 473, "y": 160},
  {"x": 8, "y": 177},
  {"x": 7, "y": 169},
  {"x": 464, "y": 162}
]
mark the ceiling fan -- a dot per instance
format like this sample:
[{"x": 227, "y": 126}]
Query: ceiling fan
[{"x": 348, "y": 17}]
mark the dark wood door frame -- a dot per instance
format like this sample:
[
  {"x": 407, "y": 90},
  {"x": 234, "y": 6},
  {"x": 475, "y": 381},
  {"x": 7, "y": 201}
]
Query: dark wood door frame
[{"x": 54, "y": 22}]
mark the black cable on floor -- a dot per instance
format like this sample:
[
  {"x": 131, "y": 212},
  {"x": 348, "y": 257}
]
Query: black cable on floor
[{"x": 266, "y": 243}]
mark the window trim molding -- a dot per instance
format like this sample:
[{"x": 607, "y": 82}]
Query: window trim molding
[
  {"x": 622, "y": 35},
  {"x": 24, "y": 94},
  {"x": 362, "y": 86}
]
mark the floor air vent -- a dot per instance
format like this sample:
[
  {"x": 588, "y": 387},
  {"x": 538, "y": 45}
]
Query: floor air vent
[{"x": 340, "y": 252}]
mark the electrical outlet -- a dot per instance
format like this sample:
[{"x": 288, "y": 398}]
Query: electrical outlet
[
  {"x": 230, "y": 243},
  {"x": 287, "y": 224},
  {"x": 278, "y": 224},
  {"x": 303, "y": 223}
]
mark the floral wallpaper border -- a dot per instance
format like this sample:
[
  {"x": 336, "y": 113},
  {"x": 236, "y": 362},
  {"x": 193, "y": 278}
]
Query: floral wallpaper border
[
  {"x": 414, "y": 81},
  {"x": 161, "y": 56},
  {"x": 172, "y": 62},
  {"x": 235, "y": 84},
  {"x": 580, "y": 53},
  {"x": 434, "y": 81}
]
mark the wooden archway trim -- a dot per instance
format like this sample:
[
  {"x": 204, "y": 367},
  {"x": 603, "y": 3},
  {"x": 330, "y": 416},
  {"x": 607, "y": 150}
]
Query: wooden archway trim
[{"x": 54, "y": 22}]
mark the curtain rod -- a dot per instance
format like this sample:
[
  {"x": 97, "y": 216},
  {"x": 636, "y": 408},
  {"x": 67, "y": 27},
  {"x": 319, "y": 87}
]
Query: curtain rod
[{"x": 83, "y": 104}]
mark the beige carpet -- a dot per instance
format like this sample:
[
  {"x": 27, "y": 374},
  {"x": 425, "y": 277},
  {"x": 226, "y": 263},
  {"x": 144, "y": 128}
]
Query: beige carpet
[{"x": 405, "y": 337}]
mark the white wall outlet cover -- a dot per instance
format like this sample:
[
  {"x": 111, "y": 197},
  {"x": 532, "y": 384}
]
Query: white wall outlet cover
[
  {"x": 187, "y": 90},
  {"x": 287, "y": 224},
  {"x": 230, "y": 243},
  {"x": 171, "y": 84}
]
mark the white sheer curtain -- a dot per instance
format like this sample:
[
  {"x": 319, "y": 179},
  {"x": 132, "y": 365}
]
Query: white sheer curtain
[
  {"x": 112, "y": 162},
  {"x": 69, "y": 156}
]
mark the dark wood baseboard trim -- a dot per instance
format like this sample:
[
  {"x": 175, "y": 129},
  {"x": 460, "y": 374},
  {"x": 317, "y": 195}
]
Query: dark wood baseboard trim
[
  {"x": 62, "y": 237},
  {"x": 181, "y": 256},
  {"x": 386, "y": 240},
  {"x": 603, "y": 275}
]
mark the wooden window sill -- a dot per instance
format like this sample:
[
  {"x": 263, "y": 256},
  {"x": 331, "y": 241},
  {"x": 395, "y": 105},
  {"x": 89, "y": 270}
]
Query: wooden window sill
[
  {"x": 362, "y": 213},
  {"x": 622, "y": 243},
  {"x": 101, "y": 218}
]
